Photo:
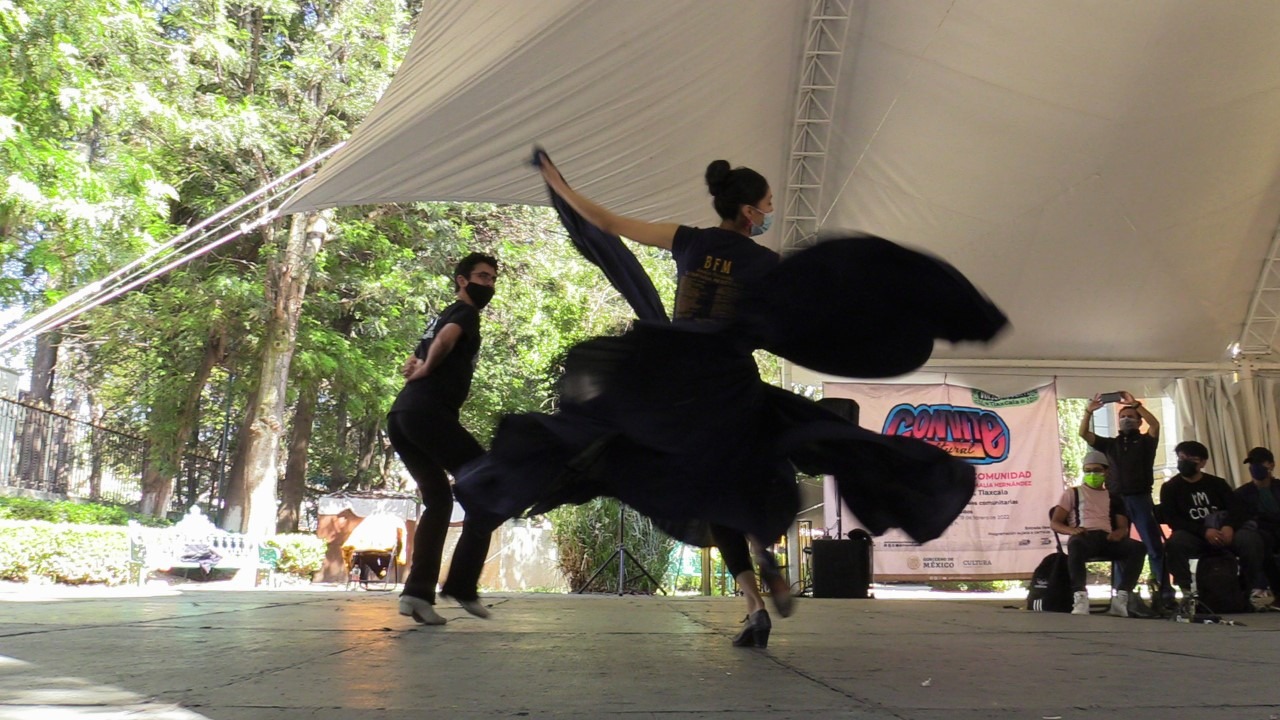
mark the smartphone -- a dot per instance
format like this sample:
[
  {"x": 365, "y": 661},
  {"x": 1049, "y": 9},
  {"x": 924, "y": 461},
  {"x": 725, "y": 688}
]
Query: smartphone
[{"x": 1114, "y": 397}]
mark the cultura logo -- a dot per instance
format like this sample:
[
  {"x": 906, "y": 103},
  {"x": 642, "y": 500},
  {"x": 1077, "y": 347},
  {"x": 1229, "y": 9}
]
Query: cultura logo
[{"x": 973, "y": 434}]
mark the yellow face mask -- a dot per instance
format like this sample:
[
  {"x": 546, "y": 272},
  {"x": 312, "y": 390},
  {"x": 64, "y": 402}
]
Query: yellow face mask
[{"x": 1095, "y": 480}]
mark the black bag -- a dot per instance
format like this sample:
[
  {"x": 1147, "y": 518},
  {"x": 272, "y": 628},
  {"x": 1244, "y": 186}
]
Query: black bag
[
  {"x": 1218, "y": 584},
  {"x": 1050, "y": 585},
  {"x": 1050, "y": 589}
]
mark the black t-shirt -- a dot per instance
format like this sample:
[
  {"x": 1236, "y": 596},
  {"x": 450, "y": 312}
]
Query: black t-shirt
[
  {"x": 1133, "y": 460},
  {"x": 450, "y": 381},
  {"x": 713, "y": 266},
  {"x": 1186, "y": 505}
]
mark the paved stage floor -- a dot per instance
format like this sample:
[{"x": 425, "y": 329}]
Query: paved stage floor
[{"x": 282, "y": 655}]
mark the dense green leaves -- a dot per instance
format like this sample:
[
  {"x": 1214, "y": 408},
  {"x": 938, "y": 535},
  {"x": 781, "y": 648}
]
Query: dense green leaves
[{"x": 123, "y": 122}]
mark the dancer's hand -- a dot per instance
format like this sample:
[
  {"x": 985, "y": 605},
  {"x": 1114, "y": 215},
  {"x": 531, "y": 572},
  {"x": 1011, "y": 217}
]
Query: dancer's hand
[
  {"x": 550, "y": 173},
  {"x": 410, "y": 365}
]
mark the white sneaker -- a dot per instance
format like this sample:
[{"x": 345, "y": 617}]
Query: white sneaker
[
  {"x": 420, "y": 610},
  {"x": 1120, "y": 604},
  {"x": 1080, "y": 603},
  {"x": 1261, "y": 599}
]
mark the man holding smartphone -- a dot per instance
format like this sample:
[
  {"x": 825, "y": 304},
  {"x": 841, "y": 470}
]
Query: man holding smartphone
[{"x": 1132, "y": 472}]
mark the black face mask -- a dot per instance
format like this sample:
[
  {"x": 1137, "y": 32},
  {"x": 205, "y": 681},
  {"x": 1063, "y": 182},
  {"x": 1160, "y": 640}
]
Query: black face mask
[
  {"x": 479, "y": 294},
  {"x": 1188, "y": 468}
]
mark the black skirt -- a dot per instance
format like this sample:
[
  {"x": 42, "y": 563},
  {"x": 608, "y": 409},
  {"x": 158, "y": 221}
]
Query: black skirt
[{"x": 674, "y": 420}]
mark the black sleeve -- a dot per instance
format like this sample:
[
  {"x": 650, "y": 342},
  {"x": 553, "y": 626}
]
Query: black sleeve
[
  {"x": 1236, "y": 512},
  {"x": 468, "y": 318},
  {"x": 1103, "y": 444},
  {"x": 1117, "y": 510},
  {"x": 1247, "y": 497},
  {"x": 684, "y": 240}
]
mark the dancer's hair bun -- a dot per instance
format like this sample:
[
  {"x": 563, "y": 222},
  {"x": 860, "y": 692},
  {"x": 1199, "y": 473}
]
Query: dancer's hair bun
[{"x": 717, "y": 175}]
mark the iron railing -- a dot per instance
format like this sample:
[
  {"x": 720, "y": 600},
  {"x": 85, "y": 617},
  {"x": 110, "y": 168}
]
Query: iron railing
[{"x": 56, "y": 454}]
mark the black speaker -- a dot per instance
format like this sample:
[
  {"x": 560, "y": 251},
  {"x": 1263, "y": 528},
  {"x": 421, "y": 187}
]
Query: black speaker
[
  {"x": 842, "y": 568},
  {"x": 844, "y": 407}
]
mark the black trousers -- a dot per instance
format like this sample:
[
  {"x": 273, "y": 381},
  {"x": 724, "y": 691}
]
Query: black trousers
[
  {"x": 1247, "y": 543},
  {"x": 1094, "y": 544},
  {"x": 430, "y": 442}
]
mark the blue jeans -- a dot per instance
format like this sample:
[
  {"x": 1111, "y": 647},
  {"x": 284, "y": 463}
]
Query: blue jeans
[{"x": 1142, "y": 514}]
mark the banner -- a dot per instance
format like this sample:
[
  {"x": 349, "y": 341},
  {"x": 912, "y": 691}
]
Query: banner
[{"x": 1013, "y": 444}]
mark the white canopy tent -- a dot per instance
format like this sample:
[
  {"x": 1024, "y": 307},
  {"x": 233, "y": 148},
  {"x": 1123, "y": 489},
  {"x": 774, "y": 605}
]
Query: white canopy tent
[{"x": 1108, "y": 172}]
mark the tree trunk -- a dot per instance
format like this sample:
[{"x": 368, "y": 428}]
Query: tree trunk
[
  {"x": 295, "y": 471},
  {"x": 173, "y": 427},
  {"x": 370, "y": 431},
  {"x": 342, "y": 430},
  {"x": 33, "y": 470},
  {"x": 251, "y": 486},
  {"x": 96, "y": 448}
]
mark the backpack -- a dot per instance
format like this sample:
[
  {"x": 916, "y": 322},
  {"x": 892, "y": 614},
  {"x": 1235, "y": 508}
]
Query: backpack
[
  {"x": 1050, "y": 584},
  {"x": 1218, "y": 584},
  {"x": 1050, "y": 589}
]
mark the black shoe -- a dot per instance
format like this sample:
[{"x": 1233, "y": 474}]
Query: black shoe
[
  {"x": 746, "y": 637},
  {"x": 763, "y": 625},
  {"x": 779, "y": 591}
]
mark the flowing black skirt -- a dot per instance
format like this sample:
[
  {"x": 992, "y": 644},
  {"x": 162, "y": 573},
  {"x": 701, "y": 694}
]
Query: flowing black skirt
[{"x": 674, "y": 420}]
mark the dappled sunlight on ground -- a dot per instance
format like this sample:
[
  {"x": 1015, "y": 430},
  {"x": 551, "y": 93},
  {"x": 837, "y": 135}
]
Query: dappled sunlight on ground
[{"x": 28, "y": 692}]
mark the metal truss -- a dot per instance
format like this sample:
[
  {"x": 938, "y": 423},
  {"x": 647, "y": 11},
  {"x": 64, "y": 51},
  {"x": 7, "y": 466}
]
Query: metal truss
[
  {"x": 825, "y": 40},
  {"x": 1263, "y": 322}
]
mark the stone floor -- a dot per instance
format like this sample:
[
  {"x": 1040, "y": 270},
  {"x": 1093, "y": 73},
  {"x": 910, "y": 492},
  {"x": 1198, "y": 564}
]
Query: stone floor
[{"x": 192, "y": 653}]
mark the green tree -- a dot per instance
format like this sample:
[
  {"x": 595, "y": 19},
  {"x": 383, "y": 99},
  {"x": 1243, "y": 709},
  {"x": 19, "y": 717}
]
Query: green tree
[{"x": 1070, "y": 410}]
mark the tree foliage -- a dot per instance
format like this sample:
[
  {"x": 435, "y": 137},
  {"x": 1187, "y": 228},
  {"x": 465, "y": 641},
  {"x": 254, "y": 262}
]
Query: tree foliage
[{"x": 123, "y": 122}]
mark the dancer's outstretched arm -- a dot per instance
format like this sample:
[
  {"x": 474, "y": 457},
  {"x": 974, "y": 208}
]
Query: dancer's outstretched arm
[{"x": 644, "y": 232}]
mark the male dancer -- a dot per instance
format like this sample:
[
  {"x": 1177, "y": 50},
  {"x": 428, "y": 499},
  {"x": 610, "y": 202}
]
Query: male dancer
[{"x": 425, "y": 431}]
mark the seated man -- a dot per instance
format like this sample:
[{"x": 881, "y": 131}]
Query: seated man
[
  {"x": 1205, "y": 514},
  {"x": 1099, "y": 529},
  {"x": 1261, "y": 500},
  {"x": 382, "y": 537}
]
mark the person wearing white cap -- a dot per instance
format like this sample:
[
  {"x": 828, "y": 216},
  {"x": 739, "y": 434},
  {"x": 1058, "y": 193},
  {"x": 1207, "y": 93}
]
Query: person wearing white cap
[{"x": 1098, "y": 528}]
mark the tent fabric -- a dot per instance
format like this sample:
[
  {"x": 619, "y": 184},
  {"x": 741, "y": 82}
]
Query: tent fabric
[
  {"x": 1108, "y": 172},
  {"x": 1229, "y": 414}
]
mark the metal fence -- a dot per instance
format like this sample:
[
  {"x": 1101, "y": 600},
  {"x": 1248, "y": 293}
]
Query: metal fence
[{"x": 56, "y": 454}]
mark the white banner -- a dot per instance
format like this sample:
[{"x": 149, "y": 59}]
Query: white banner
[{"x": 1013, "y": 444}]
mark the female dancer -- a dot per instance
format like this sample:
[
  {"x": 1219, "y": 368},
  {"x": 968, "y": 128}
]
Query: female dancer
[
  {"x": 713, "y": 268},
  {"x": 674, "y": 420}
]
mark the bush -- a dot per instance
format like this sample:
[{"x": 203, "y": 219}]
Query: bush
[
  {"x": 301, "y": 554},
  {"x": 65, "y": 511},
  {"x": 68, "y": 554},
  {"x": 997, "y": 586},
  {"x": 586, "y": 535}
]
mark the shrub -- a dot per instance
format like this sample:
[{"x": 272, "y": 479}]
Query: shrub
[
  {"x": 68, "y": 554},
  {"x": 301, "y": 554},
  {"x": 586, "y": 535},
  {"x": 65, "y": 511}
]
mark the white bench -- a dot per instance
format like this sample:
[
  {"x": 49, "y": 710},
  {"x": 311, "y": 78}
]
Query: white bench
[{"x": 153, "y": 549}]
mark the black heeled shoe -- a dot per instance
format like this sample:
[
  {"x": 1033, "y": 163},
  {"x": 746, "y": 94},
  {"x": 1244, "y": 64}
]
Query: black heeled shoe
[
  {"x": 779, "y": 590},
  {"x": 746, "y": 637},
  {"x": 763, "y": 625}
]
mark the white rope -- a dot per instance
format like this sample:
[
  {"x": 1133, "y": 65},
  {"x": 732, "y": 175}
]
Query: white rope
[{"x": 141, "y": 270}]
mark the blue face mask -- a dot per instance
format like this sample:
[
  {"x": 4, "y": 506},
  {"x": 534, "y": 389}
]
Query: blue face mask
[{"x": 764, "y": 225}]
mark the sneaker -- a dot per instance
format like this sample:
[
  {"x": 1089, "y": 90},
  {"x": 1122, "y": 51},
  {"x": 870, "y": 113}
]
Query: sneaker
[
  {"x": 1080, "y": 603},
  {"x": 1120, "y": 604},
  {"x": 1261, "y": 599},
  {"x": 475, "y": 607},
  {"x": 420, "y": 610}
]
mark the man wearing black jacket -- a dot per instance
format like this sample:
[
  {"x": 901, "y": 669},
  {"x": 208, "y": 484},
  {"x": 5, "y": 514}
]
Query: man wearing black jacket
[{"x": 1205, "y": 514}]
